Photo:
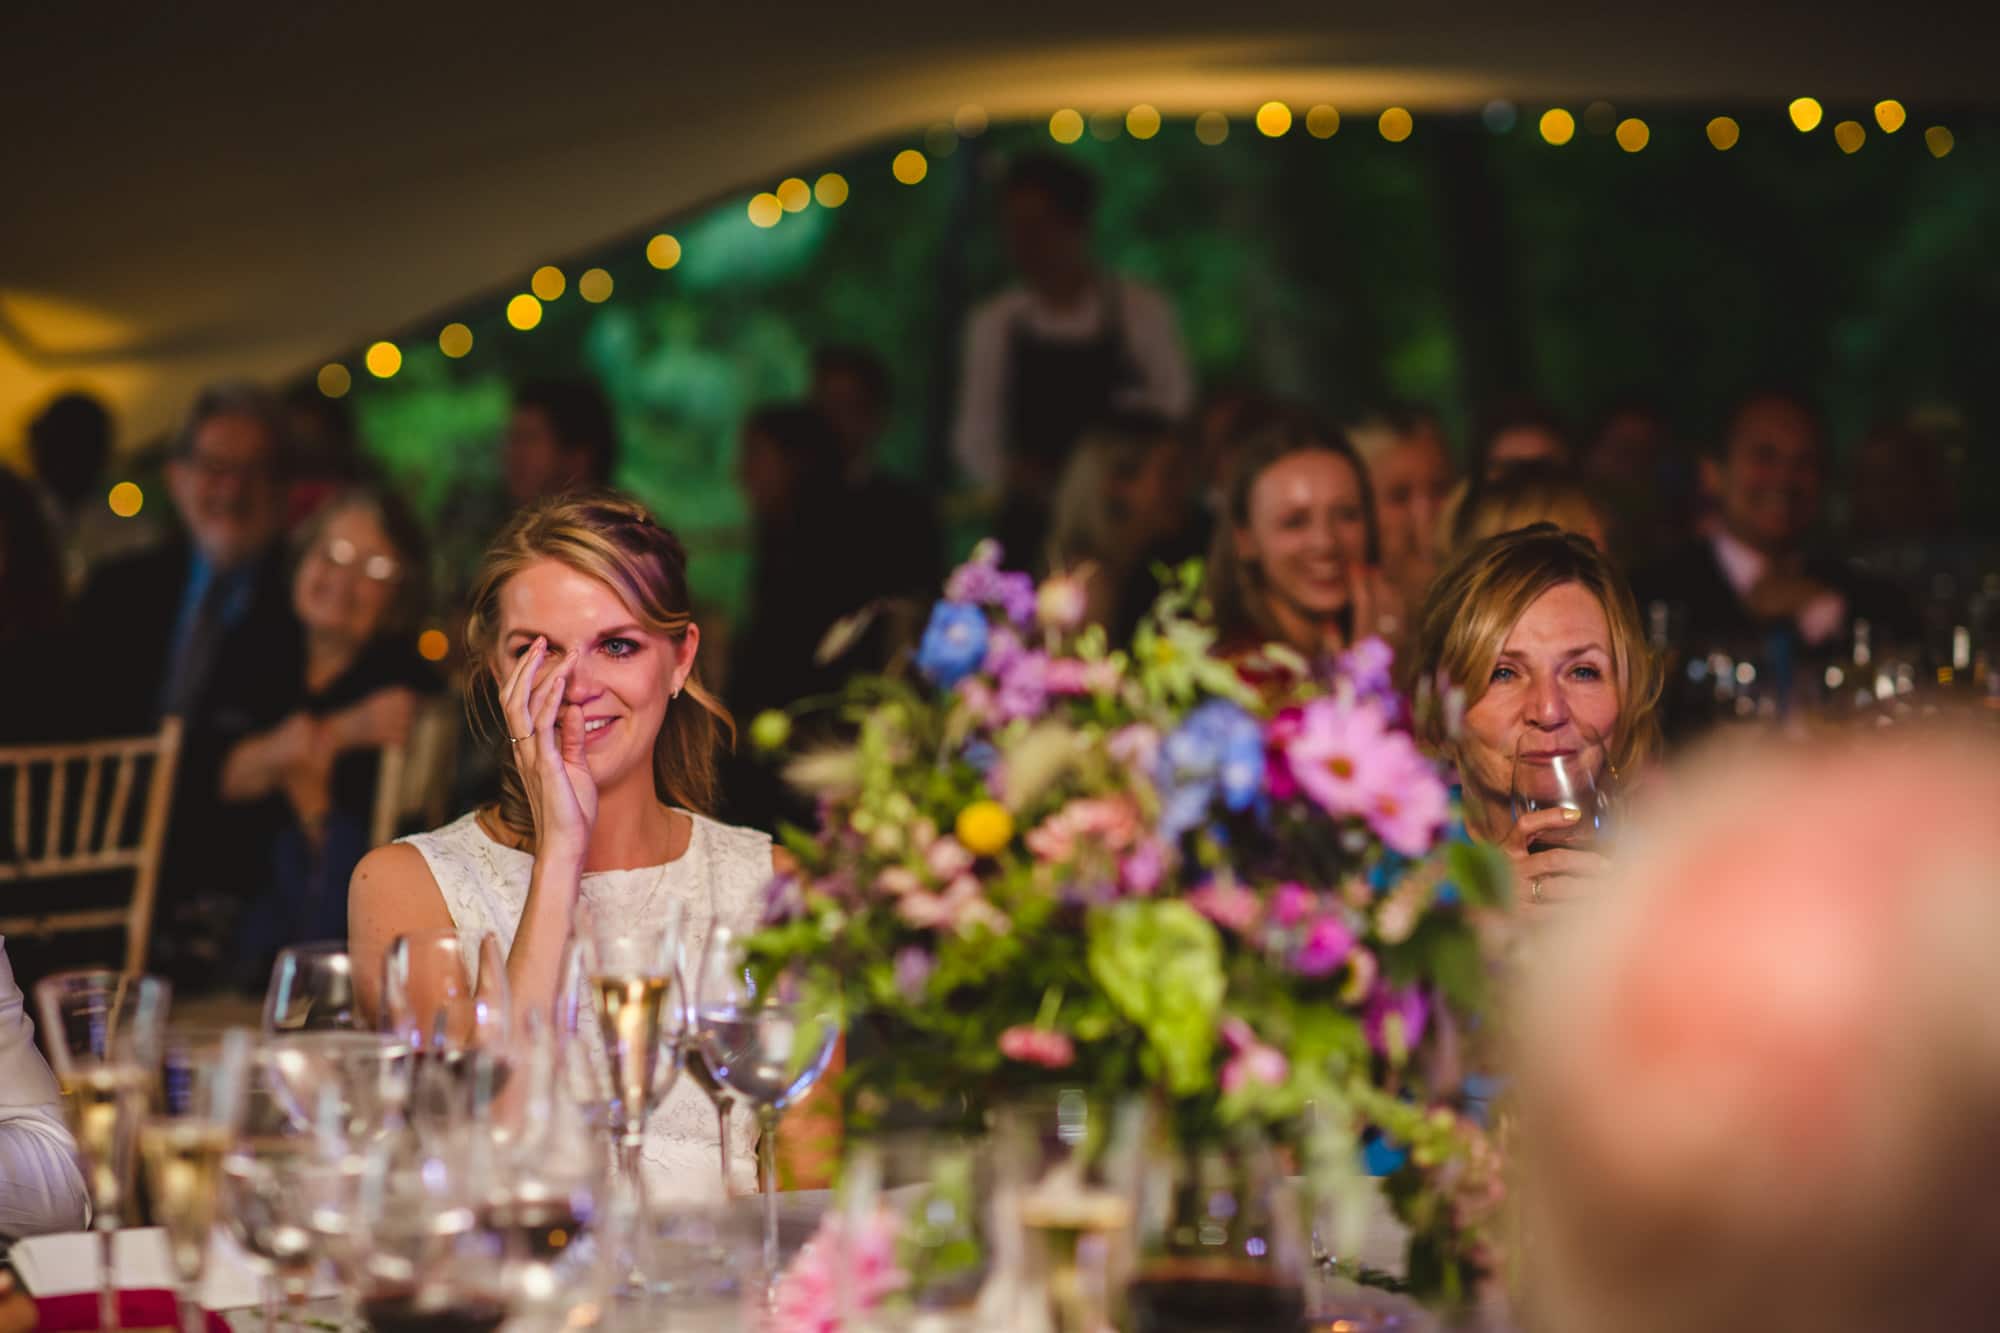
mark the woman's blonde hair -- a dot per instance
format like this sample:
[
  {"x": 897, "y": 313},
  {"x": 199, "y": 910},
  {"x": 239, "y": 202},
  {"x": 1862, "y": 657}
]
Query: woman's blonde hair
[
  {"x": 1475, "y": 603},
  {"x": 614, "y": 540},
  {"x": 1529, "y": 493},
  {"x": 1088, "y": 521},
  {"x": 1237, "y": 595}
]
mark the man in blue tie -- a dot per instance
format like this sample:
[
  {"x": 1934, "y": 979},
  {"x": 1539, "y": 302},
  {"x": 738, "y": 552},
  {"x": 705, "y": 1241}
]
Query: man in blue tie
[{"x": 201, "y": 628}]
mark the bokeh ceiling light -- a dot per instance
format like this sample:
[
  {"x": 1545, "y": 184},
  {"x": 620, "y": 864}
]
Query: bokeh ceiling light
[
  {"x": 1142, "y": 122},
  {"x": 1890, "y": 115},
  {"x": 126, "y": 499},
  {"x": 830, "y": 190},
  {"x": 1274, "y": 120},
  {"x": 910, "y": 167},
  {"x": 1322, "y": 122},
  {"x": 1396, "y": 124},
  {"x": 764, "y": 209},
  {"x": 383, "y": 359},
  {"x": 1806, "y": 114},
  {"x": 1066, "y": 126},
  {"x": 334, "y": 381},
  {"x": 1939, "y": 140},
  {"x": 524, "y": 312},
  {"x": 548, "y": 283},
  {"x": 454, "y": 340},
  {"x": 594, "y": 286},
  {"x": 1723, "y": 132},
  {"x": 1558, "y": 126},
  {"x": 1211, "y": 127},
  {"x": 1850, "y": 136},
  {"x": 1633, "y": 135},
  {"x": 794, "y": 195},
  {"x": 663, "y": 251}
]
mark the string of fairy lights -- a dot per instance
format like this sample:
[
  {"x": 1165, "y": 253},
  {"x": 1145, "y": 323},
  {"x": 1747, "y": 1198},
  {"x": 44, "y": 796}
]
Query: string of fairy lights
[{"x": 1557, "y": 127}]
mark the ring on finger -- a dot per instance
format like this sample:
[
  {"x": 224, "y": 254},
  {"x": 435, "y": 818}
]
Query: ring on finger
[{"x": 1535, "y": 889}]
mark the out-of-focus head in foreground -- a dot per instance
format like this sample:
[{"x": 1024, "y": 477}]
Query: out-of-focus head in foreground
[{"x": 1760, "y": 1081}]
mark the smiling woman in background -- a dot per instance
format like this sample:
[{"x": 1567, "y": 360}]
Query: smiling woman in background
[{"x": 1541, "y": 636}]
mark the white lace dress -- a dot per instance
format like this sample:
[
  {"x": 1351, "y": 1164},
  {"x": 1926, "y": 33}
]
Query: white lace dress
[{"x": 721, "y": 876}]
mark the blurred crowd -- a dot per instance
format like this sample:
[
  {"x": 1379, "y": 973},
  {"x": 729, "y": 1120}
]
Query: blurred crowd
[{"x": 278, "y": 614}]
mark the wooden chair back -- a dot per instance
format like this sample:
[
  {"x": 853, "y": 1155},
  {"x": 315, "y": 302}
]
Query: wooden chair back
[
  {"x": 415, "y": 778},
  {"x": 81, "y": 795}
]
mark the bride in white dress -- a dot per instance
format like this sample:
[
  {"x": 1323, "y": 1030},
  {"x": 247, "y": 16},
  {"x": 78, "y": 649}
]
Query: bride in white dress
[{"x": 583, "y": 647}]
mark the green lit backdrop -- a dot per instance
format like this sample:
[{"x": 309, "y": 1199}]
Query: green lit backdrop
[{"x": 1470, "y": 259}]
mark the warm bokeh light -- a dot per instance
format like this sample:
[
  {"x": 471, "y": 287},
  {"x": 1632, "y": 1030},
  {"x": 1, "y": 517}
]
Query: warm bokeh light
[
  {"x": 1142, "y": 122},
  {"x": 663, "y": 251},
  {"x": 1105, "y": 125},
  {"x": 1939, "y": 140},
  {"x": 1322, "y": 122},
  {"x": 524, "y": 312},
  {"x": 1889, "y": 114},
  {"x": 794, "y": 195},
  {"x": 765, "y": 210},
  {"x": 1211, "y": 127},
  {"x": 830, "y": 190},
  {"x": 594, "y": 286},
  {"x": 126, "y": 499},
  {"x": 1274, "y": 119},
  {"x": 1558, "y": 126},
  {"x": 1066, "y": 126},
  {"x": 383, "y": 359},
  {"x": 454, "y": 340},
  {"x": 548, "y": 283},
  {"x": 432, "y": 645},
  {"x": 1806, "y": 114},
  {"x": 970, "y": 122},
  {"x": 1723, "y": 132},
  {"x": 910, "y": 166},
  {"x": 1633, "y": 135},
  {"x": 1850, "y": 136},
  {"x": 1396, "y": 124},
  {"x": 334, "y": 381}
]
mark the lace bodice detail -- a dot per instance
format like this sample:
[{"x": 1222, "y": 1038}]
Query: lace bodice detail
[{"x": 721, "y": 876}]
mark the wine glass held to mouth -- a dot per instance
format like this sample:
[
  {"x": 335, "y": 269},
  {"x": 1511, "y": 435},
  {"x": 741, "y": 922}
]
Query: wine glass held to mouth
[{"x": 1561, "y": 797}]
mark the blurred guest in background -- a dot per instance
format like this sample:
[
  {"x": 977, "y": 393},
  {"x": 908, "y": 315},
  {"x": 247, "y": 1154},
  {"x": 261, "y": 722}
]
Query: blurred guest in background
[
  {"x": 31, "y": 608},
  {"x": 201, "y": 628},
  {"x": 893, "y": 531},
  {"x": 69, "y": 443},
  {"x": 1537, "y": 638},
  {"x": 1532, "y": 493},
  {"x": 1754, "y": 575},
  {"x": 1410, "y": 476},
  {"x": 1759, "y": 1077},
  {"x": 41, "y": 1189},
  {"x": 1518, "y": 430},
  {"x": 1900, "y": 496},
  {"x": 1124, "y": 506},
  {"x": 1229, "y": 414},
  {"x": 1293, "y": 560},
  {"x": 1047, "y": 358},
  {"x": 326, "y": 451},
  {"x": 1641, "y": 476},
  {"x": 359, "y": 591}
]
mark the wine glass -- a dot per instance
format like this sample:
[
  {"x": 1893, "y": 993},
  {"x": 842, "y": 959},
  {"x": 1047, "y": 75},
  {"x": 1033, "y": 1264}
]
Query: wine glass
[
  {"x": 1572, "y": 773},
  {"x": 204, "y": 1082},
  {"x": 551, "y": 1166},
  {"x": 363, "y": 1076},
  {"x": 696, "y": 1066},
  {"x": 445, "y": 1002},
  {"x": 766, "y": 1044},
  {"x": 311, "y": 990},
  {"x": 103, "y": 1031},
  {"x": 265, "y": 1177}
]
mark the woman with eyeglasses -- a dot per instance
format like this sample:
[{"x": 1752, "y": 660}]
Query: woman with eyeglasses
[{"x": 359, "y": 591}]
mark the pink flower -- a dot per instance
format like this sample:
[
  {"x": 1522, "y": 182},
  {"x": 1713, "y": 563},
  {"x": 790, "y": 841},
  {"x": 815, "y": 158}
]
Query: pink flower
[
  {"x": 861, "y": 1258},
  {"x": 1037, "y": 1046},
  {"x": 960, "y": 907},
  {"x": 1144, "y": 868},
  {"x": 1250, "y": 1058},
  {"x": 1227, "y": 904},
  {"x": 1328, "y": 942},
  {"x": 1136, "y": 747},
  {"x": 1109, "y": 822},
  {"x": 1340, "y": 752},
  {"x": 1291, "y": 903},
  {"x": 1278, "y": 736},
  {"x": 1394, "y": 1019},
  {"x": 1024, "y": 687},
  {"x": 898, "y": 881},
  {"x": 1003, "y": 649},
  {"x": 1410, "y": 803},
  {"x": 948, "y": 859},
  {"x": 1068, "y": 675},
  {"x": 977, "y": 698}
]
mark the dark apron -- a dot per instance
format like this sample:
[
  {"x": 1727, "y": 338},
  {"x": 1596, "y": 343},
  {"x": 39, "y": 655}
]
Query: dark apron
[{"x": 1055, "y": 390}]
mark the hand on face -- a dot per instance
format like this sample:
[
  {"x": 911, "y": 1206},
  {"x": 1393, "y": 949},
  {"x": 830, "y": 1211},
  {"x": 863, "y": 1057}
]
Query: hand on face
[{"x": 562, "y": 795}]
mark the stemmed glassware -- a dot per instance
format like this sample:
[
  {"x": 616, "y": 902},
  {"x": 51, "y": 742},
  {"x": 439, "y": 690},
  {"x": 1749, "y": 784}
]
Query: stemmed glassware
[
  {"x": 625, "y": 976},
  {"x": 696, "y": 1066},
  {"x": 311, "y": 990},
  {"x": 103, "y": 1031},
  {"x": 767, "y": 1044},
  {"x": 266, "y": 1177},
  {"x": 1573, "y": 774},
  {"x": 204, "y": 1085},
  {"x": 445, "y": 1002}
]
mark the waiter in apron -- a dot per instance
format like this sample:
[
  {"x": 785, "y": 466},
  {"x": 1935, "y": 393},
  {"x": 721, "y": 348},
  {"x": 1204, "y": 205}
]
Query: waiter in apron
[{"x": 1045, "y": 359}]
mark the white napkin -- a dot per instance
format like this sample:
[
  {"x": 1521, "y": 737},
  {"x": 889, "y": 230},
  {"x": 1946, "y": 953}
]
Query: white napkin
[{"x": 66, "y": 1264}]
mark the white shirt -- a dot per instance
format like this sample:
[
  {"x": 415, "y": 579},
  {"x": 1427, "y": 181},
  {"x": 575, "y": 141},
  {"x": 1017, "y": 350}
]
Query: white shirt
[
  {"x": 1152, "y": 337},
  {"x": 1743, "y": 565},
  {"x": 41, "y": 1186}
]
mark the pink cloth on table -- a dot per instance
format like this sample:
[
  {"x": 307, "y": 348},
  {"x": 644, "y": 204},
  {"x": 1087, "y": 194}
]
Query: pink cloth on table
[{"x": 136, "y": 1309}]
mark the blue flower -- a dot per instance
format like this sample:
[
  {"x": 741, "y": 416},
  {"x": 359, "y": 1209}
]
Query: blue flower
[
  {"x": 954, "y": 643},
  {"x": 1217, "y": 751}
]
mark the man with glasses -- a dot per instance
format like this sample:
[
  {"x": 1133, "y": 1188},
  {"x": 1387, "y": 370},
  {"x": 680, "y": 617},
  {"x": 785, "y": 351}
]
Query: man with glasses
[{"x": 201, "y": 628}]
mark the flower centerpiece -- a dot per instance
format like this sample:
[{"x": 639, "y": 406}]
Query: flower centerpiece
[{"x": 1042, "y": 862}]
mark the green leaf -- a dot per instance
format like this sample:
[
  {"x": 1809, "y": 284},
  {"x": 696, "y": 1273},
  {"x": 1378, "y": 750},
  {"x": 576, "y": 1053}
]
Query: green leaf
[
  {"x": 1160, "y": 964},
  {"x": 1480, "y": 872}
]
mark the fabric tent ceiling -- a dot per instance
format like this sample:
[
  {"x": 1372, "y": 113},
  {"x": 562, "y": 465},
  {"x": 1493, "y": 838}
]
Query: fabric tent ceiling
[{"x": 229, "y": 188}]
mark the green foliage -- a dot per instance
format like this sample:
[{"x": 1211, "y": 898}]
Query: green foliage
[{"x": 1160, "y": 964}]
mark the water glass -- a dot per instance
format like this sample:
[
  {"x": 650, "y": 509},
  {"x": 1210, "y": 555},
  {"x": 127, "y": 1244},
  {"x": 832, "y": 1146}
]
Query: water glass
[
  {"x": 311, "y": 990},
  {"x": 204, "y": 1086}
]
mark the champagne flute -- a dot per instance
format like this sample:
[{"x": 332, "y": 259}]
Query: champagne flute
[
  {"x": 103, "y": 1031},
  {"x": 1570, "y": 772},
  {"x": 205, "y": 1079},
  {"x": 445, "y": 1002},
  {"x": 311, "y": 990},
  {"x": 767, "y": 1045},
  {"x": 630, "y": 983}
]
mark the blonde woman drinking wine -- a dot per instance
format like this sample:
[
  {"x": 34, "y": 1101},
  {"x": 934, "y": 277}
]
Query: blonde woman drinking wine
[{"x": 583, "y": 646}]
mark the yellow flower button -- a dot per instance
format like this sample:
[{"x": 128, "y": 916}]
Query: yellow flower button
[{"x": 985, "y": 828}]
